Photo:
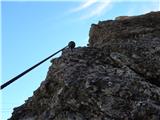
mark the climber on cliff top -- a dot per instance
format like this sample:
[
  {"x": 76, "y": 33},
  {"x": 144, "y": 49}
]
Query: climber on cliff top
[{"x": 71, "y": 45}]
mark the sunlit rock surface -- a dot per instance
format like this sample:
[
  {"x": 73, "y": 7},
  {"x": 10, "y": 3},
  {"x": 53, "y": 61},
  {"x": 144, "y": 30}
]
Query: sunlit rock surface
[{"x": 117, "y": 77}]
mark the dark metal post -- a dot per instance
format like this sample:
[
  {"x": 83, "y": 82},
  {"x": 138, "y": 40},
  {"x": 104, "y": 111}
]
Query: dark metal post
[{"x": 26, "y": 71}]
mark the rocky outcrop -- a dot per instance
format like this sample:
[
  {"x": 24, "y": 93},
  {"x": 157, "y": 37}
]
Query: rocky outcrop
[
  {"x": 135, "y": 40},
  {"x": 117, "y": 77}
]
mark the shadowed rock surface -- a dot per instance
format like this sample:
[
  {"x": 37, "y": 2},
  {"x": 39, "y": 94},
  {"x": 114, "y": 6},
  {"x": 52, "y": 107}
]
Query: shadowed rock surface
[{"x": 116, "y": 78}]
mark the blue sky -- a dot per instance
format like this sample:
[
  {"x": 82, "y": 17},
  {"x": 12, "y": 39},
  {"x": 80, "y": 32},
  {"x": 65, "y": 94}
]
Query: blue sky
[{"x": 33, "y": 30}]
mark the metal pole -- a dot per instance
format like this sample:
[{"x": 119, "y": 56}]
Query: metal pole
[{"x": 26, "y": 71}]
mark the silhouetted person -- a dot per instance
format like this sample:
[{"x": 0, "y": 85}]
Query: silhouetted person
[{"x": 71, "y": 45}]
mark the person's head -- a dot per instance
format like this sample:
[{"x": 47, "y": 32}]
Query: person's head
[{"x": 71, "y": 44}]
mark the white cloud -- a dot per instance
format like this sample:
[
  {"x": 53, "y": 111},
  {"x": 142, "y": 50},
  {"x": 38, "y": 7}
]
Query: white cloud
[
  {"x": 100, "y": 7},
  {"x": 85, "y": 4}
]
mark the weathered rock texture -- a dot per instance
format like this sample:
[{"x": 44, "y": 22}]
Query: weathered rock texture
[{"x": 116, "y": 78}]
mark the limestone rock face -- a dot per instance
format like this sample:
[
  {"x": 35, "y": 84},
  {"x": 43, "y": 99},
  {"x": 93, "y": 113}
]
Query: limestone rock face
[
  {"x": 136, "y": 39},
  {"x": 117, "y": 77}
]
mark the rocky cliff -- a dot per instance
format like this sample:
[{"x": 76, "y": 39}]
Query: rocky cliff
[{"x": 117, "y": 77}]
